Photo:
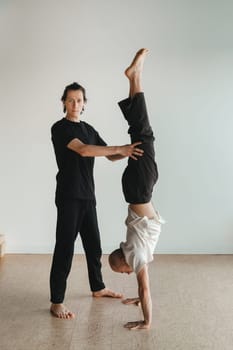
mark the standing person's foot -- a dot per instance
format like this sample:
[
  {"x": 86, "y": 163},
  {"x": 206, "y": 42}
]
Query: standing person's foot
[
  {"x": 60, "y": 311},
  {"x": 137, "y": 64},
  {"x": 106, "y": 293}
]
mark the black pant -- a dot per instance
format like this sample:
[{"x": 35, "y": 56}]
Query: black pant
[
  {"x": 73, "y": 216},
  {"x": 140, "y": 175}
]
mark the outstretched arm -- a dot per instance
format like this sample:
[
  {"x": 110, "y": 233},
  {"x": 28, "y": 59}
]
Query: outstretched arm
[
  {"x": 86, "y": 150},
  {"x": 145, "y": 299}
]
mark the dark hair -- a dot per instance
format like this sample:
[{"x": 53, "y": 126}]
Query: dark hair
[{"x": 73, "y": 86}]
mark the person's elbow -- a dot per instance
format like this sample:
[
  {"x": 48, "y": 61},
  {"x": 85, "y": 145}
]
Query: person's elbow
[
  {"x": 144, "y": 292},
  {"x": 79, "y": 147},
  {"x": 80, "y": 150},
  {"x": 83, "y": 151}
]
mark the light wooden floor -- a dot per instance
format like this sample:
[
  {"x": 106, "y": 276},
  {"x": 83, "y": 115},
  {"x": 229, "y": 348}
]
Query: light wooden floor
[{"x": 192, "y": 306}]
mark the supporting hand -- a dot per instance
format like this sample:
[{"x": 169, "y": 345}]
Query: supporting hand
[
  {"x": 130, "y": 301},
  {"x": 131, "y": 150},
  {"x": 137, "y": 325}
]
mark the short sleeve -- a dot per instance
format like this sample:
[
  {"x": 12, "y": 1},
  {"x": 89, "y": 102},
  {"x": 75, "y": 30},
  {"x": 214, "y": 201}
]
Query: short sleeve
[
  {"x": 99, "y": 140},
  {"x": 135, "y": 257},
  {"x": 137, "y": 260},
  {"x": 61, "y": 135}
]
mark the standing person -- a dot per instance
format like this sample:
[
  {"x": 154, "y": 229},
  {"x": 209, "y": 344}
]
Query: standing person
[
  {"x": 76, "y": 143},
  {"x": 143, "y": 221}
]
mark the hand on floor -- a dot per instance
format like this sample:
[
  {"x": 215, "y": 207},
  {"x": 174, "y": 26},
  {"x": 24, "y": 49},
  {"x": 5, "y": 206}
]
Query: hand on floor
[
  {"x": 137, "y": 325},
  {"x": 128, "y": 301}
]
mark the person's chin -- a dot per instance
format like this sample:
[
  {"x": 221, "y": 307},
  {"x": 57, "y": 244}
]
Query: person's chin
[{"x": 75, "y": 114}]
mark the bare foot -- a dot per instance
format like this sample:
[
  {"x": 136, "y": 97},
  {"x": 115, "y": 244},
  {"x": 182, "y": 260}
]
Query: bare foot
[
  {"x": 60, "y": 311},
  {"x": 136, "y": 66},
  {"x": 106, "y": 293}
]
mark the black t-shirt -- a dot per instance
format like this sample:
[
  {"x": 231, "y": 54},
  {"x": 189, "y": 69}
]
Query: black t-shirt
[{"x": 75, "y": 173}]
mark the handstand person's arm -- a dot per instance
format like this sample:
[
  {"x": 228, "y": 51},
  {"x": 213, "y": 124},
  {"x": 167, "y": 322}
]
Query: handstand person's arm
[
  {"x": 86, "y": 150},
  {"x": 145, "y": 299}
]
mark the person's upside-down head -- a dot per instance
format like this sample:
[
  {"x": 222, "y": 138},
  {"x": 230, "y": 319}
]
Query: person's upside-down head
[{"x": 117, "y": 262}]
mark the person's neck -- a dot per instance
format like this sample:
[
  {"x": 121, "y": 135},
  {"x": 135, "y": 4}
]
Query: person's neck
[{"x": 73, "y": 119}]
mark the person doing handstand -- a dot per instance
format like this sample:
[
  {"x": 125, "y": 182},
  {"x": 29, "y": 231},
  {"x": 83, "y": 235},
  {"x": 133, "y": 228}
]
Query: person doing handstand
[{"x": 143, "y": 221}]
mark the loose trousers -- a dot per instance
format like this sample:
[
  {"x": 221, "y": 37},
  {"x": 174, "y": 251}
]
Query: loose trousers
[
  {"x": 75, "y": 216},
  {"x": 140, "y": 175}
]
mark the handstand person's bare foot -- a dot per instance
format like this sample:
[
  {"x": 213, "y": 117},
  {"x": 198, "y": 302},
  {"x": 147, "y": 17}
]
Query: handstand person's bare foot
[
  {"x": 106, "y": 293},
  {"x": 60, "y": 311},
  {"x": 137, "y": 64}
]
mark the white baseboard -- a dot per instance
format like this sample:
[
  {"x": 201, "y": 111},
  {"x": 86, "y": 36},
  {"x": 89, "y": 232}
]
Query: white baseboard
[{"x": 46, "y": 249}]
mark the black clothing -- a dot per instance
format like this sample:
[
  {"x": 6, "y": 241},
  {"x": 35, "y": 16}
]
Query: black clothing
[
  {"x": 73, "y": 216},
  {"x": 76, "y": 207},
  {"x": 75, "y": 173},
  {"x": 140, "y": 175}
]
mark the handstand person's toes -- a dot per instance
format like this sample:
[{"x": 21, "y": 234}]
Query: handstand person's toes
[{"x": 137, "y": 64}]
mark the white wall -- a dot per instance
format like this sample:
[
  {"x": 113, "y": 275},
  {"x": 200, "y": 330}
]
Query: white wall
[{"x": 188, "y": 82}]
